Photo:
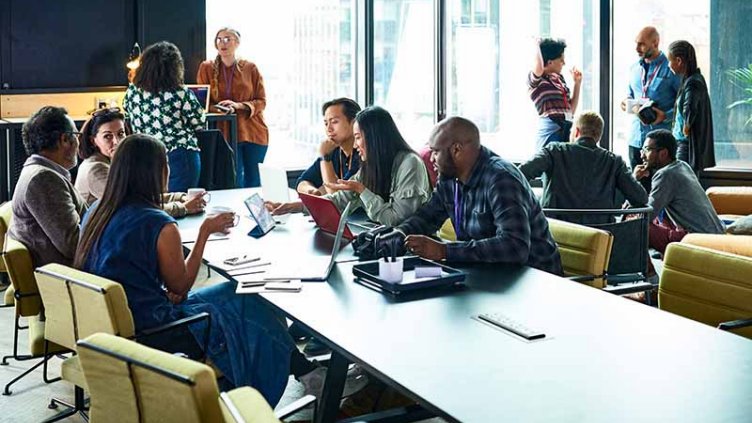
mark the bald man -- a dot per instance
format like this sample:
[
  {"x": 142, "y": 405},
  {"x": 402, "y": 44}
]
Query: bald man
[
  {"x": 494, "y": 212},
  {"x": 649, "y": 78}
]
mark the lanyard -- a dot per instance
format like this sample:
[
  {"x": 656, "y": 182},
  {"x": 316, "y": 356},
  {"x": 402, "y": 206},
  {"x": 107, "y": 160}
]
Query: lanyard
[
  {"x": 228, "y": 81},
  {"x": 647, "y": 81},
  {"x": 342, "y": 163},
  {"x": 457, "y": 209}
]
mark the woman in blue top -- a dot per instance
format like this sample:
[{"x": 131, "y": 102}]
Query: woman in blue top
[
  {"x": 160, "y": 105},
  {"x": 127, "y": 238}
]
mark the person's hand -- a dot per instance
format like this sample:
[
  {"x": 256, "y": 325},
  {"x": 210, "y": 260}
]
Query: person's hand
[
  {"x": 346, "y": 185},
  {"x": 195, "y": 205},
  {"x": 326, "y": 147},
  {"x": 576, "y": 75},
  {"x": 314, "y": 191},
  {"x": 660, "y": 116},
  {"x": 175, "y": 298},
  {"x": 284, "y": 208},
  {"x": 221, "y": 222},
  {"x": 426, "y": 247},
  {"x": 641, "y": 171},
  {"x": 232, "y": 105},
  {"x": 685, "y": 129},
  {"x": 623, "y": 104}
]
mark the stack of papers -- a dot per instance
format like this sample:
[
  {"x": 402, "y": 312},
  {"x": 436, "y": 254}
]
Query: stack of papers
[
  {"x": 250, "y": 272},
  {"x": 256, "y": 285}
]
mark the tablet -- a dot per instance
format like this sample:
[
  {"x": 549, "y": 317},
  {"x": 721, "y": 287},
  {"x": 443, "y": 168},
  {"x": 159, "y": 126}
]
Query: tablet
[{"x": 259, "y": 213}]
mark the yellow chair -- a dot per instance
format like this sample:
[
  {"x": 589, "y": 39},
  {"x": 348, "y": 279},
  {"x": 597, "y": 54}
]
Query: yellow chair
[
  {"x": 446, "y": 232},
  {"x": 734, "y": 244},
  {"x": 709, "y": 286},
  {"x": 78, "y": 304},
  {"x": 731, "y": 202},
  {"x": 584, "y": 251},
  {"x": 129, "y": 382},
  {"x": 6, "y": 212},
  {"x": 18, "y": 264}
]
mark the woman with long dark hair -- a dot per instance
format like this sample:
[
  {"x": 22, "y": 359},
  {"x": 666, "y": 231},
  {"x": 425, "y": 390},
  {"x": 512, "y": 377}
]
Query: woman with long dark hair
[
  {"x": 100, "y": 136},
  {"x": 693, "y": 116},
  {"x": 237, "y": 87},
  {"x": 392, "y": 182},
  {"x": 160, "y": 105},
  {"x": 127, "y": 238}
]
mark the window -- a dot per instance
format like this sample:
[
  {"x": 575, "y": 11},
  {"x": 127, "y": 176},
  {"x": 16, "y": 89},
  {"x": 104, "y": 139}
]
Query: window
[
  {"x": 404, "y": 65},
  {"x": 306, "y": 54},
  {"x": 491, "y": 45}
]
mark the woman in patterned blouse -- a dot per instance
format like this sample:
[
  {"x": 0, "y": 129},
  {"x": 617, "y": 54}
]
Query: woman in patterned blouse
[{"x": 161, "y": 106}]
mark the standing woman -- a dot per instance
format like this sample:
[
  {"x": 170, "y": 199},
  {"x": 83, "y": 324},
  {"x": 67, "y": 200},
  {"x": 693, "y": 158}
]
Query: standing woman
[
  {"x": 159, "y": 105},
  {"x": 550, "y": 94},
  {"x": 693, "y": 117},
  {"x": 237, "y": 85}
]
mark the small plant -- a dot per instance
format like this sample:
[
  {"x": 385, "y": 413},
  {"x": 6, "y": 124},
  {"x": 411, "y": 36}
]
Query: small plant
[{"x": 742, "y": 78}]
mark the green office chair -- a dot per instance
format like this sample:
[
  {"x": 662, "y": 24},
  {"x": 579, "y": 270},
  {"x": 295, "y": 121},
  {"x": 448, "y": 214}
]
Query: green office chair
[
  {"x": 129, "y": 382},
  {"x": 6, "y": 212}
]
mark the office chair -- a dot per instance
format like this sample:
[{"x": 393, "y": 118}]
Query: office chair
[
  {"x": 584, "y": 251},
  {"x": 129, "y": 382}
]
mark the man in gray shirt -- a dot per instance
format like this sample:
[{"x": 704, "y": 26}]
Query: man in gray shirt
[
  {"x": 678, "y": 200},
  {"x": 47, "y": 208},
  {"x": 582, "y": 175}
]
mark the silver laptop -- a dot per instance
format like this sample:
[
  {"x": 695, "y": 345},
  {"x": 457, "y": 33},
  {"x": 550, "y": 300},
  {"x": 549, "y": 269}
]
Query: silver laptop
[
  {"x": 201, "y": 91},
  {"x": 316, "y": 268},
  {"x": 274, "y": 184}
]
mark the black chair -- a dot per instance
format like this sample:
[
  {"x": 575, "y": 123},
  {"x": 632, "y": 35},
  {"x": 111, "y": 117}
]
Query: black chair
[
  {"x": 628, "y": 267},
  {"x": 217, "y": 161}
]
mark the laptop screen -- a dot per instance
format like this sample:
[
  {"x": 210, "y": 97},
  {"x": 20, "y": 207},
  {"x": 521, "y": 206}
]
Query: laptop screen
[{"x": 202, "y": 94}]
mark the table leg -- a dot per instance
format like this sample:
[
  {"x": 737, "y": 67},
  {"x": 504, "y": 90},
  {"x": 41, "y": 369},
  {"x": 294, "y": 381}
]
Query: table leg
[
  {"x": 234, "y": 144},
  {"x": 334, "y": 383}
]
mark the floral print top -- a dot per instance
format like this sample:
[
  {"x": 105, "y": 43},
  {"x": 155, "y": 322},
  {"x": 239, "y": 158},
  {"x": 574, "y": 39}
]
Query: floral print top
[{"x": 172, "y": 117}]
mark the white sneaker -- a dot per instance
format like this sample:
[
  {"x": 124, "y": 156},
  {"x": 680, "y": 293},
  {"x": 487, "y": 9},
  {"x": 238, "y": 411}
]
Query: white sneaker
[{"x": 313, "y": 381}]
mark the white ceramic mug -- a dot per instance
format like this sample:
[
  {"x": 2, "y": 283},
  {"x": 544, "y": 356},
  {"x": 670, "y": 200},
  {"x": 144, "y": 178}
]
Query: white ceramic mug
[
  {"x": 197, "y": 192},
  {"x": 215, "y": 210}
]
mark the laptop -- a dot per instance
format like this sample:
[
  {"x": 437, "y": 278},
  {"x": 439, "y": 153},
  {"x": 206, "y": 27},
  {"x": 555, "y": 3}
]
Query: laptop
[
  {"x": 201, "y": 92},
  {"x": 325, "y": 213},
  {"x": 315, "y": 268},
  {"x": 274, "y": 184}
]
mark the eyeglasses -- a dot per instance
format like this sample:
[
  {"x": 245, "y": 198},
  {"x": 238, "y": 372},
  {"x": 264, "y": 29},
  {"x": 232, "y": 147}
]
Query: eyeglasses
[
  {"x": 646, "y": 149},
  {"x": 105, "y": 111},
  {"x": 224, "y": 40},
  {"x": 74, "y": 133}
]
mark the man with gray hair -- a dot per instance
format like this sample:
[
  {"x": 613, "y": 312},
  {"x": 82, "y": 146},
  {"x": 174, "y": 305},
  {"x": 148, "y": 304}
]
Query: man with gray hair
[{"x": 582, "y": 175}]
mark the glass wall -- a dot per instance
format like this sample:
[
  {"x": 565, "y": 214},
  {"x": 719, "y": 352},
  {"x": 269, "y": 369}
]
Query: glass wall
[
  {"x": 306, "y": 53},
  {"x": 491, "y": 45},
  {"x": 403, "y": 81}
]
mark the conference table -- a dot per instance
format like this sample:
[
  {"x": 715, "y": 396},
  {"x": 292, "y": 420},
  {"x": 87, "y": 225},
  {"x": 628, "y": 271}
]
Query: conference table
[{"x": 604, "y": 358}]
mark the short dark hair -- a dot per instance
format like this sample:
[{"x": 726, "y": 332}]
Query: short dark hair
[
  {"x": 664, "y": 139},
  {"x": 161, "y": 68},
  {"x": 551, "y": 49},
  {"x": 383, "y": 143},
  {"x": 86, "y": 148},
  {"x": 43, "y": 129},
  {"x": 349, "y": 107}
]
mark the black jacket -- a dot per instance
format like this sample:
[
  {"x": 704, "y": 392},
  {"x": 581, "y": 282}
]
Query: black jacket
[{"x": 694, "y": 102}]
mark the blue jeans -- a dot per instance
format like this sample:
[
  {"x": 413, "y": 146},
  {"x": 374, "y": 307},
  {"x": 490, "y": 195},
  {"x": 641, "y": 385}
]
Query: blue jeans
[
  {"x": 185, "y": 167},
  {"x": 249, "y": 157},
  {"x": 248, "y": 342},
  {"x": 548, "y": 132}
]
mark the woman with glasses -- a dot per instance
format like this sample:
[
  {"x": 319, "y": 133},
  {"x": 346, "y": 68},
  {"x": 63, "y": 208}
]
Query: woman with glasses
[
  {"x": 128, "y": 239},
  {"x": 693, "y": 117},
  {"x": 100, "y": 137},
  {"x": 237, "y": 87},
  {"x": 160, "y": 105}
]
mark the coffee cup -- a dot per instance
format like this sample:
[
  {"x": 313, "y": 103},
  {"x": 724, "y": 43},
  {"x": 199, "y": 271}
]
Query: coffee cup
[
  {"x": 198, "y": 192},
  {"x": 217, "y": 210}
]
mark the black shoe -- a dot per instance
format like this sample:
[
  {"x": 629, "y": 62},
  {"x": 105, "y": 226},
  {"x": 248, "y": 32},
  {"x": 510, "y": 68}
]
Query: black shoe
[
  {"x": 656, "y": 255},
  {"x": 315, "y": 347}
]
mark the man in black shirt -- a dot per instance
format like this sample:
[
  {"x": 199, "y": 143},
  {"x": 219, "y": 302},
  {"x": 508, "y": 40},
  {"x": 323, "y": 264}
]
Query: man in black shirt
[
  {"x": 336, "y": 159},
  {"x": 582, "y": 175}
]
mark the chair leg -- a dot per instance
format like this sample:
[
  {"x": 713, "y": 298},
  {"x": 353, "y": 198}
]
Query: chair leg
[
  {"x": 78, "y": 407},
  {"x": 47, "y": 357},
  {"x": 7, "y": 390},
  {"x": 16, "y": 328}
]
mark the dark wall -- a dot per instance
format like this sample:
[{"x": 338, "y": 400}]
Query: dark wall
[{"x": 77, "y": 43}]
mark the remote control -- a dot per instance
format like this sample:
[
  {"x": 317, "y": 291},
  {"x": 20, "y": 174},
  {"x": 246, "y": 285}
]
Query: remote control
[{"x": 506, "y": 323}]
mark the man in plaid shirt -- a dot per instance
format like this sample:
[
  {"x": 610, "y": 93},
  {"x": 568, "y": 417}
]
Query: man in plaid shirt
[{"x": 493, "y": 210}]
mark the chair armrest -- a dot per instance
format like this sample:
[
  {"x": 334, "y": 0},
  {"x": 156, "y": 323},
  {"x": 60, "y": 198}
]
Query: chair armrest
[
  {"x": 581, "y": 278},
  {"x": 296, "y": 406},
  {"x": 735, "y": 324},
  {"x": 184, "y": 322},
  {"x": 629, "y": 288}
]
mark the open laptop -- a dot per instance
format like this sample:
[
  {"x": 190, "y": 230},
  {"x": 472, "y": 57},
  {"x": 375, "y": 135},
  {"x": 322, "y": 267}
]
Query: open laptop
[
  {"x": 325, "y": 213},
  {"x": 201, "y": 92},
  {"x": 316, "y": 268},
  {"x": 274, "y": 184}
]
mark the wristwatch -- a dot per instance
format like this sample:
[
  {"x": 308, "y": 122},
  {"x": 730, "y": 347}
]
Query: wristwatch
[{"x": 328, "y": 157}]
